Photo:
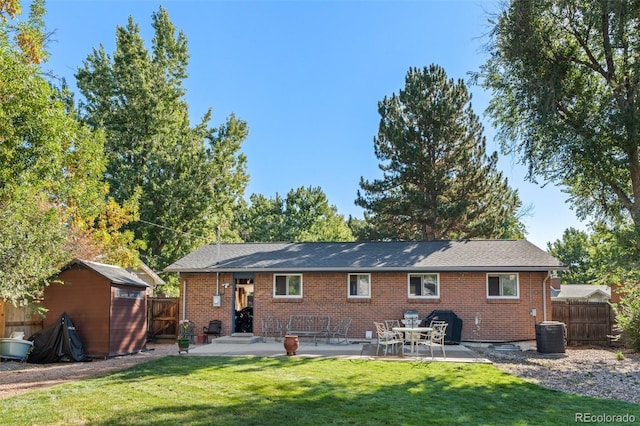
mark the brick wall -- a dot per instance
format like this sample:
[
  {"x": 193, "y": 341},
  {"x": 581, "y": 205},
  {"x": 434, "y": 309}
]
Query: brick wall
[{"x": 326, "y": 293}]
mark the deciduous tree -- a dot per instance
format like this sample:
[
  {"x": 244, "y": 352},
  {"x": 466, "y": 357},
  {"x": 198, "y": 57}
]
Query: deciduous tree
[
  {"x": 565, "y": 79},
  {"x": 189, "y": 177},
  {"x": 304, "y": 215},
  {"x": 574, "y": 250},
  {"x": 52, "y": 189}
]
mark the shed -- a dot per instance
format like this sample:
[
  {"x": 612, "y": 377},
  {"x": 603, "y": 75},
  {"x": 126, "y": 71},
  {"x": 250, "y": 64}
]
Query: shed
[{"x": 107, "y": 304}]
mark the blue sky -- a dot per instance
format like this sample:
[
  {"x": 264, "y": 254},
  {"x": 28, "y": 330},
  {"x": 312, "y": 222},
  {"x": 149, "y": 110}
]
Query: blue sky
[{"x": 307, "y": 76}]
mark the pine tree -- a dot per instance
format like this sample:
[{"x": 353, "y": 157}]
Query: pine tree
[{"x": 438, "y": 182}]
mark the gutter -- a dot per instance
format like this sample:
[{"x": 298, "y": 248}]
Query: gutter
[
  {"x": 184, "y": 300},
  {"x": 353, "y": 269}
]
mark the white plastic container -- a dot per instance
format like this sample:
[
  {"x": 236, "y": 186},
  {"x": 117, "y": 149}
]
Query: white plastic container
[{"x": 15, "y": 348}]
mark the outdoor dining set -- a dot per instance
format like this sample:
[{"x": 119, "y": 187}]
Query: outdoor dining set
[{"x": 393, "y": 336}]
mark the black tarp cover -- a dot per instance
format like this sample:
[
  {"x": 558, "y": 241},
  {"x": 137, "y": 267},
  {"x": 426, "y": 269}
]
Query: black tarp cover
[{"x": 56, "y": 343}]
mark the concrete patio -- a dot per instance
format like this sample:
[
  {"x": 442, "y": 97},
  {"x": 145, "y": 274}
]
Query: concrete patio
[{"x": 231, "y": 346}]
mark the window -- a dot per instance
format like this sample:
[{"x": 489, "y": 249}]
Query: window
[
  {"x": 359, "y": 285},
  {"x": 287, "y": 285},
  {"x": 424, "y": 285},
  {"x": 502, "y": 285},
  {"x": 128, "y": 294}
]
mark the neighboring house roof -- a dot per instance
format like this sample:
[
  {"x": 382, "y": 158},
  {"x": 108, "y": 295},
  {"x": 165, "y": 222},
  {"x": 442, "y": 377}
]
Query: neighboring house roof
[
  {"x": 115, "y": 274},
  {"x": 144, "y": 270},
  {"x": 468, "y": 255},
  {"x": 581, "y": 291}
]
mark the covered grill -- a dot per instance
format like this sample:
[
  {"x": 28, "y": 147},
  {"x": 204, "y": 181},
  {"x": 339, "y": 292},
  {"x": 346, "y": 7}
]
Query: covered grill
[
  {"x": 454, "y": 327},
  {"x": 410, "y": 319}
]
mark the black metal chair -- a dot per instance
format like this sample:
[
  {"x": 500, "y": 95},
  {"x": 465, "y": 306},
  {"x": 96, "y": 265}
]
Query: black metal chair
[
  {"x": 189, "y": 332},
  {"x": 271, "y": 326},
  {"x": 339, "y": 333},
  {"x": 214, "y": 329}
]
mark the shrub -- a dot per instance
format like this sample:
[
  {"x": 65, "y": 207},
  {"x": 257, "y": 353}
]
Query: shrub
[{"x": 628, "y": 314}]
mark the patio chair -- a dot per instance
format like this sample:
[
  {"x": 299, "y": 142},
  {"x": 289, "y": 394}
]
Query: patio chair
[
  {"x": 214, "y": 329},
  {"x": 434, "y": 322},
  {"x": 271, "y": 326},
  {"x": 190, "y": 333},
  {"x": 339, "y": 333},
  {"x": 394, "y": 323},
  {"x": 387, "y": 338},
  {"x": 435, "y": 338}
]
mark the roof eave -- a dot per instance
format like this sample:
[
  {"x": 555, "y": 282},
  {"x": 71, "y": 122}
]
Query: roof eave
[{"x": 372, "y": 269}]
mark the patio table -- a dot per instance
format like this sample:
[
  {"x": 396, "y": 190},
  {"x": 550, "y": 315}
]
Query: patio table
[{"x": 413, "y": 333}]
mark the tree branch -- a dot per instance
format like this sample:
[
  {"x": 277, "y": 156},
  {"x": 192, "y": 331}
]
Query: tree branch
[{"x": 606, "y": 41}]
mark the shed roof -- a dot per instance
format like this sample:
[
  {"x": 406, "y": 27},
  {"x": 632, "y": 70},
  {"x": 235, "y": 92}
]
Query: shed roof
[
  {"x": 115, "y": 274},
  {"x": 440, "y": 255}
]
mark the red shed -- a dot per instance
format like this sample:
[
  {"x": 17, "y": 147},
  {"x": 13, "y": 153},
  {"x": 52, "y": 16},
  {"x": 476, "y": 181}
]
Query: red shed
[{"x": 106, "y": 303}]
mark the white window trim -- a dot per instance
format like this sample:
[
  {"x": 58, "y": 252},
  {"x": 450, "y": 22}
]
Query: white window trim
[
  {"x": 287, "y": 296},
  {"x": 516, "y": 297},
  {"x": 413, "y": 296},
  {"x": 349, "y": 295}
]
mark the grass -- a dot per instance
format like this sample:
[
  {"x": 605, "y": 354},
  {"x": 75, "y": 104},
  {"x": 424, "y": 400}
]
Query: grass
[{"x": 302, "y": 391}]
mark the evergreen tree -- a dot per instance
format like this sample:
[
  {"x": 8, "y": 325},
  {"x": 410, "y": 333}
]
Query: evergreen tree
[
  {"x": 438, "y": 182},
  {"x": 188, "y": 178}
]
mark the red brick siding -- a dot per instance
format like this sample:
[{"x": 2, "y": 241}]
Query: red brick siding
[{"x": 326, "y": 293}]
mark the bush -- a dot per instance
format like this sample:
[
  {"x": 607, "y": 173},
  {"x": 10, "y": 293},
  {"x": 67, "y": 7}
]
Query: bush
[{"x": 628, "y": 314}]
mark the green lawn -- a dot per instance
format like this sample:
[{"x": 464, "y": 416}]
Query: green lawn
[{"x": 302, "y": 391}]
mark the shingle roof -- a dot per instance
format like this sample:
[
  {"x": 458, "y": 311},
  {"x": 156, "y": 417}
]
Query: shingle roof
[
  {"x": 468, "y": 255},
  {"x": 582, "y": 291},
  {"x": 115, "y": 274}
]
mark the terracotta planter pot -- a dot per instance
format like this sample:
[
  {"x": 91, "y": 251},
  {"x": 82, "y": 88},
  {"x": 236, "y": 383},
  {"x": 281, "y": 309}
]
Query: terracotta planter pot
[{"x": 291, "y": 344}]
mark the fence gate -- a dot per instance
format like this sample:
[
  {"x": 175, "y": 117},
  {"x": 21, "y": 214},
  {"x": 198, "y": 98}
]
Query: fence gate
[
  {"x": 587, "y": 323},
  {"x": 162, "y": 317}
]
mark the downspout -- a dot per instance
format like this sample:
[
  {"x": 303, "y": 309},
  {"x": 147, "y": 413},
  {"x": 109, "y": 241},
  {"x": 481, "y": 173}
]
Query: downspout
[
  {"x": 544, "y": 296},
  {"x": 184, "y": 300},
  {"x": 218, "y": 261},
  {"x": 530, "y": 293}
]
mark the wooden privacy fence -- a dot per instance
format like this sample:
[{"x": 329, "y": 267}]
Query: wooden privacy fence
[
  {"x": 18, "y": 319},
  {"x": 162, "y": 317},
  {"x": 587, "y": 323}
]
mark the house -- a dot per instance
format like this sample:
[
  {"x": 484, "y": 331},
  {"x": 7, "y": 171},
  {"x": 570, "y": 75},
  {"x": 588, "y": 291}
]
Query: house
[
  {"x": 106, "y": 303},
  {"x": 581, "y": 293},
  {"x": 499, "y": 288},
  {"x": 148, "y": 275}
]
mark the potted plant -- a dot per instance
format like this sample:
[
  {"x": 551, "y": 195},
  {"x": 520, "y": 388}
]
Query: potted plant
[{"x": 184, "y": 339}]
